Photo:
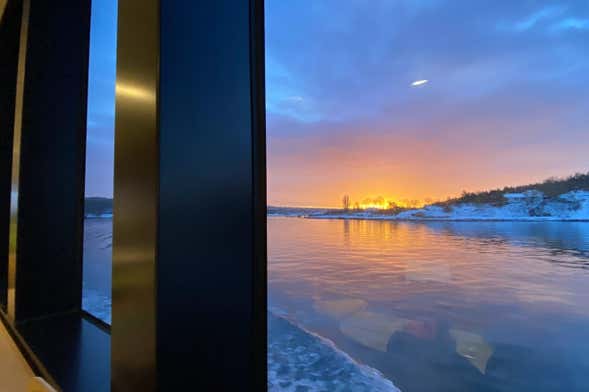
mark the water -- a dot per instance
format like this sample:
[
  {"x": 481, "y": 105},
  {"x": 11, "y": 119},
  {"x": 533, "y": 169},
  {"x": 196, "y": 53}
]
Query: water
[
  {"x": 441, "y": 306},
  {"x": 300, "y": 361},
  {"x": 437, "y": 306},
  {"x": 97, "y": 271}
]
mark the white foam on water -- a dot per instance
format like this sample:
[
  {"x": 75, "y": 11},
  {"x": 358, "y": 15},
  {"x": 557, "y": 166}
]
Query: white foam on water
[
  {"x": 299, "y": 360},
  {"x": 97, "y": 304}
]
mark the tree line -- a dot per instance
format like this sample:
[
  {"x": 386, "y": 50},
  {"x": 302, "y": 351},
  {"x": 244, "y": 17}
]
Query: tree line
[{"x": 551, "y": 187}]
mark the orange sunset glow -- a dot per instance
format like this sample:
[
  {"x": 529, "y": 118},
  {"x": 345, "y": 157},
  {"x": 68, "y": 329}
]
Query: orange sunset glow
[
  {"x": 375, "y": 170},
  {"x": 394, "y": 100}
]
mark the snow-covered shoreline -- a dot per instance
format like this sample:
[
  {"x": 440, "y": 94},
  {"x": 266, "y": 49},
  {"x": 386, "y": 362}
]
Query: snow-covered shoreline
[{"x": 528, "y": 206}]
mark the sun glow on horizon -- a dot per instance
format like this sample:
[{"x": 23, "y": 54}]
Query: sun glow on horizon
[
  {"x": 387, "y": 203},
  {"x": 393, "y": 112},
  {"x": 368, "y": 203}
]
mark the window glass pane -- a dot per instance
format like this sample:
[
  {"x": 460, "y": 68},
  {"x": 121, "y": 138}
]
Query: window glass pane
[
  {"x": 432, "y": 146},
  {"x": 100, "y": 160}
]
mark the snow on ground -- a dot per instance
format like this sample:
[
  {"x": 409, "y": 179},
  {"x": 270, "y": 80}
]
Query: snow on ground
[
  {"x": 106, "y": 215},
  {"x": 528, "y": 206}
]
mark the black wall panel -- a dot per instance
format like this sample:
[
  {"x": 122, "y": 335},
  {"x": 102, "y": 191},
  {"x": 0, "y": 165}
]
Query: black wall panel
[{"x": 52, "y": 155}]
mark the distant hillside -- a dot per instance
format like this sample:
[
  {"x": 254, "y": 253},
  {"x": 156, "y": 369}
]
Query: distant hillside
[
  {"x": 551, "y": 188},
  {"x": 294, "y": 211},
  {"x": 97, "y": 206},
  {"x": 565, "y": 199}
]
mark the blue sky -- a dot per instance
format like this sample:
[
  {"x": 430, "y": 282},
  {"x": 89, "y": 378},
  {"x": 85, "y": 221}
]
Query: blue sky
[
  {"x": 506, "y": 102},
  {"x": 101, "y": 99}
]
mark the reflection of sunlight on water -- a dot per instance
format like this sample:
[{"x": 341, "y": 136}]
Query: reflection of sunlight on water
[
  {"x": 388, "y": 261},
  {"x": 461, "y": 289}
]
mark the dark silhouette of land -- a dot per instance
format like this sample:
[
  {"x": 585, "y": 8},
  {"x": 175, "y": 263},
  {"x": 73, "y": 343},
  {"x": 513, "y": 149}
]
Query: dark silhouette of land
[{"x": 96, "y": 206}]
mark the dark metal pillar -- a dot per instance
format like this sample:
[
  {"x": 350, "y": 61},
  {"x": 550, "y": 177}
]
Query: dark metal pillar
[
  {"x": 48, "y": 166},
  {"x": 189, "y": 244}
]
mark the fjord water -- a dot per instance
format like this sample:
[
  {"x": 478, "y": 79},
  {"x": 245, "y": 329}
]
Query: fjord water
[
  {"x": 97, "y": 269},
  {"x": 439, "y": 306},
  {"x": 436, "y": 306}
]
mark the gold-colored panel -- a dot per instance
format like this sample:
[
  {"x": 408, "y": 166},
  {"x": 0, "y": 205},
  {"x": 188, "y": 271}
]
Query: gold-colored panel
[
  {"x": 2, "y": 8},
  {"x": 135, "y": 198},
  {"x": 14, "y": 189}
]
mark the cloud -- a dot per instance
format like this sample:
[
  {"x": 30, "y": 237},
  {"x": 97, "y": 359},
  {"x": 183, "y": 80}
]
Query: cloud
[
  {"x": 552, "y": 18},
  {"x": 419, "y": 82},
  {"x": 537, "y": 17},
  {"x": 341, "y": 107},
  {"x": 285, "y": 93},
  {"x": 571, "y": 24}
]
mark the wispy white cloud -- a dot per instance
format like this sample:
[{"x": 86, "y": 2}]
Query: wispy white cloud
[
  {"x": 534, "y": 19},
  {"x": 571, "y": 24},
  {"x": 295, "y": 98},
  {"x": 419, "y": 82}
]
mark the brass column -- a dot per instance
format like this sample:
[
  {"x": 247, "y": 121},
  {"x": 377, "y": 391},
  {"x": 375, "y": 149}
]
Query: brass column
[
  {"x": 135, "y": 198},
  {"x": 11, "y": 14},
  {"x": 189, "y": 243}
]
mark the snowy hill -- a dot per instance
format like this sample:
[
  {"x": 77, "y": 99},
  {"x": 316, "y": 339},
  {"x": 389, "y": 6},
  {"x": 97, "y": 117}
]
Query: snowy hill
[{"x": 530, "y": 205}]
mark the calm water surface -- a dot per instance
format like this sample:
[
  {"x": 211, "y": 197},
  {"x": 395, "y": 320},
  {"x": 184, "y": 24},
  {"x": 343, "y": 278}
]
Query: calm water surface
[{"x": 445, "y": 306}]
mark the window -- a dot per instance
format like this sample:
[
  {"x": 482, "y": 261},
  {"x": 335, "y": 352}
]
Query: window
[
  {"x": 99, "y": 161},
  {"x": 428, "y": 194}
]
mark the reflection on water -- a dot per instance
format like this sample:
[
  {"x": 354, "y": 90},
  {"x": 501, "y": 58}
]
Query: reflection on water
[{"x": 442, "y": 306}]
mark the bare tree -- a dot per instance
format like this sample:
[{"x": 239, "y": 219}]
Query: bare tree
[
  {"x": 346, "y": 202},
  {"x": 414, "y": 203}
]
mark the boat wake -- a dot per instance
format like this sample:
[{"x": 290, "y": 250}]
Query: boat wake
[{"x": 299, "y": 360}]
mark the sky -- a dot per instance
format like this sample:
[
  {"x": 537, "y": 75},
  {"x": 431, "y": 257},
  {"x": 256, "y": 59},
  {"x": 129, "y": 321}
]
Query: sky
[
  {"x": 101, "y": 99},
  {"x": 506, "y": 100}
]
